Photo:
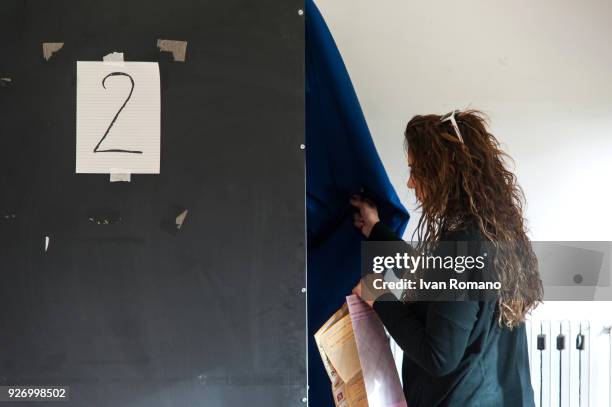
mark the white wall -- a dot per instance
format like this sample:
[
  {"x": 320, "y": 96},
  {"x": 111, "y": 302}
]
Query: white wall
[{"x": 541, "y": 70}]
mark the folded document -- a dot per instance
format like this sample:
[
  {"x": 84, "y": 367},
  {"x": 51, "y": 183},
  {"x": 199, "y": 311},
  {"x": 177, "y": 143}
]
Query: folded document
[{"x": 358, "y": 359}]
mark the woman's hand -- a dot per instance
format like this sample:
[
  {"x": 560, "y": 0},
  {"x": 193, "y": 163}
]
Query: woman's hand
[
  {"x": 357, "y": 292},
  {"x": 367, "y": 216}
]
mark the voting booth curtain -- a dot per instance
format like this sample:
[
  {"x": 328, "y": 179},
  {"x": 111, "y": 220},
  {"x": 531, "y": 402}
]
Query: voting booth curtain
[{"x": 341, "y": 160}]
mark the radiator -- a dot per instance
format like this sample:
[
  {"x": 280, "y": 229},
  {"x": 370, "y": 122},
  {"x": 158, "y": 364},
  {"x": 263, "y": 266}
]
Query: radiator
[{"x": 571, "y": 363}]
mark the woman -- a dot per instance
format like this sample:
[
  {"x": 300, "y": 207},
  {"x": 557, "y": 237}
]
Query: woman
[{"x": 462, "y": 353}]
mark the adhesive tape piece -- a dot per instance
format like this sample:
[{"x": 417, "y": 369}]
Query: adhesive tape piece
[
  {"x": 114, "y": 58},
  {"x": 177, "y": 48},
  {"x": 118, "y": 175},
  {"x": 50, "y": 48},
  {"x": 180, "y": 219}
]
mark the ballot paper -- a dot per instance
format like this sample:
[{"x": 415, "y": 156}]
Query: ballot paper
[
  {"x": 357, "y": 357},
  {"x": 118, "y": 117}
]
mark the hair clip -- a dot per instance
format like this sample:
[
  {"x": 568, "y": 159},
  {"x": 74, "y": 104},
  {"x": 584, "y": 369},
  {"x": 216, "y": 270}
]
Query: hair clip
[{"x": 451, "y": 117}]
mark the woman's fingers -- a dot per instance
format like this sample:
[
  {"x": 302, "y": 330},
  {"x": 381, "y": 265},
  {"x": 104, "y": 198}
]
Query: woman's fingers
[
  {"x": 369, "y": 202},
  {"x": 356, "y": 201},
  {"x": 367, "y": 216},
  {"x": 358, "y": 221},
  {"x": 357, "y": 290},
  {"x": 362, "y": 203}
]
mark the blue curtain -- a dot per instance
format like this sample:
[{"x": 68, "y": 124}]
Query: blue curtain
[{"x": 341, "y": 160}]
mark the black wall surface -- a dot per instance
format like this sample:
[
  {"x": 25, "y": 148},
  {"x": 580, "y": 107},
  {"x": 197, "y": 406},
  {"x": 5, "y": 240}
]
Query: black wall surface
[{"x": 137, "y": 313}]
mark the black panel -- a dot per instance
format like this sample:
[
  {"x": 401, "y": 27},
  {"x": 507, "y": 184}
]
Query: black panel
[{"x": 137, "y": 313}]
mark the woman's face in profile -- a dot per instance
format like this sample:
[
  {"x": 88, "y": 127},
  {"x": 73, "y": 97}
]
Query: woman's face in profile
[{"x": 412, "y": 182}]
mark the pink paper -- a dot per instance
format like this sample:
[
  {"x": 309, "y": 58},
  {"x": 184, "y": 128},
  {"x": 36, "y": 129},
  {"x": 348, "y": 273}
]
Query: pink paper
[{"x": 383, "y": 386}]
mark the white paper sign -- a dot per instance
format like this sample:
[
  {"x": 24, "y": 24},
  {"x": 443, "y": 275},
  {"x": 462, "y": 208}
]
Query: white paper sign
[{"x": 118, "y": 117}]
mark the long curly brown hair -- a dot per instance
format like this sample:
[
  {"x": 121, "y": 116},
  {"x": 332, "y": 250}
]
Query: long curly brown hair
[{"x": 465, "y": 181}]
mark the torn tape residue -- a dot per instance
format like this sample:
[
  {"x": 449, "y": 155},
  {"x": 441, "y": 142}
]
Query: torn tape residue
[
  {"x": 180, "y": 219},
  {"x": 177, "y": 48},
  {"x": 104, "y": 216},
  {"x": 50, "y": 48},
  {"x": 174, "y": 219},
  {"x": 5, "y": 82},
  {"x": 7, "y": 216}
]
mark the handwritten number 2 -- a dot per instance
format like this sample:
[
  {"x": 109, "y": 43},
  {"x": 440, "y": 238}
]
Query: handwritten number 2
[{"x": 110, "y": 126}]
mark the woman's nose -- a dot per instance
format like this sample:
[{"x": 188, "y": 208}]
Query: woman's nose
[{"x": 410, "y": 183}]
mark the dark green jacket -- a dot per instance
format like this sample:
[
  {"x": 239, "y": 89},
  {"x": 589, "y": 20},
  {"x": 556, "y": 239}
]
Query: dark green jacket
[{"x": 455, "y": 353}]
